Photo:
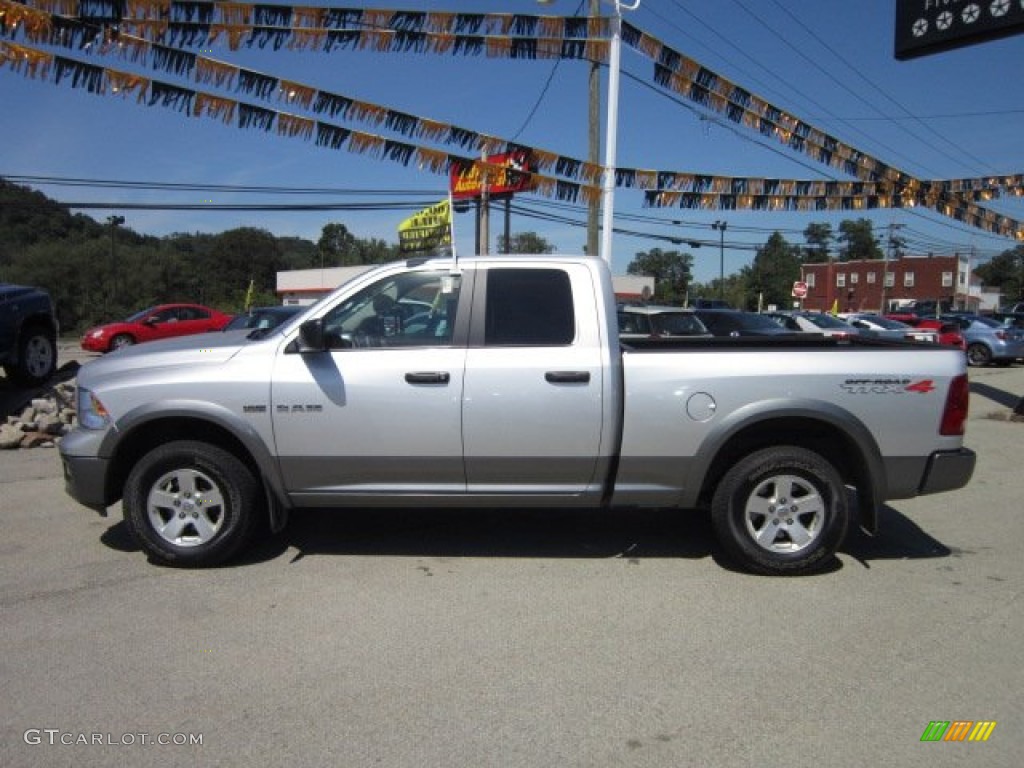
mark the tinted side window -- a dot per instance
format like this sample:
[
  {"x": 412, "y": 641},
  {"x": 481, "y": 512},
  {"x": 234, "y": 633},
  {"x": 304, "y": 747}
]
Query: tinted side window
[{"x": 529, "y": 307}]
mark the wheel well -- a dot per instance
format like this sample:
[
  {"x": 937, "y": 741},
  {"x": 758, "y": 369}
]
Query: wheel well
[
  {"x": 145, "y": 437},
  {"x": 827, "y": 440},
  {"x": 37, "y": 323}
]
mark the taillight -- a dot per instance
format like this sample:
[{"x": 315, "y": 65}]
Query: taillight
[
  {"x": 954, "y": 415},
  {"x": 1001, "y": 335}
]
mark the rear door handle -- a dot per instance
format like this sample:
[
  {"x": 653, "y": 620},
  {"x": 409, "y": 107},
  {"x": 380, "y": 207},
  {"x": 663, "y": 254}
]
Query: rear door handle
[
  {"x": 428, "y": 377},
  {"x": 567, "y": 377}
]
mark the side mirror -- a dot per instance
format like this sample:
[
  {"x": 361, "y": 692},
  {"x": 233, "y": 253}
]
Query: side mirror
[{"x": 311, "y": 336}]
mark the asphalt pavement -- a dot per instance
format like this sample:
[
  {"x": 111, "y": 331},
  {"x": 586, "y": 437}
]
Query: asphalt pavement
[{"x": 540, "y": 638}]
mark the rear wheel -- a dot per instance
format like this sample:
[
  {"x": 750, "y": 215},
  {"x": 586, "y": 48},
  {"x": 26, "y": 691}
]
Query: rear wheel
[
  {"x": 191, "y": 503},
  {"x": 978, "y": 355},
  {"x": 781, "y": 511}
]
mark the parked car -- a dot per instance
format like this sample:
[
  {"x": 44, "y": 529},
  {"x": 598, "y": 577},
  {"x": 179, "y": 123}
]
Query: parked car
[
  {"x": 886, "y": 328},
  {"x": 1014, "y": 319},
  {"x": 988, "y": 340},
  {"x": 948, "y": 333},
  {"x": 263, "y": 318},
  {"x": 161, "y": 322},
  {"x": 652, "y": 321},
  {"x": 736, "y": 322},
  {"x": 28, "y": 334},
  {"x": 813, "y": 322}
]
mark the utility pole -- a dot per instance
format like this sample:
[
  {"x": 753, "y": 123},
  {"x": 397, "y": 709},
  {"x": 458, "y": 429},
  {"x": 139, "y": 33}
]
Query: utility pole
[
  {"x": 886, "y": 255},
  {"x": 485, "y": 211},
  {"x": 114, "y": 222},
  {"x": 720, "y": 226}
]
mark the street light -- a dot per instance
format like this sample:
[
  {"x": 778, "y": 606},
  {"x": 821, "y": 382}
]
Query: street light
[{"x": 720, "y": 226}]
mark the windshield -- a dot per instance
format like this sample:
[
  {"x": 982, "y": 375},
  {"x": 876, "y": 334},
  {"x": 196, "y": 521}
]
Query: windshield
[
  {"x": 139, "y": 315},
  {"x": 987, "y": 321},
  {"x": 754, "y": 320},
  {"x": 884, "y": 322},
  {"x": 676, "y": 324},
  {"x": 828, "y": 321}
]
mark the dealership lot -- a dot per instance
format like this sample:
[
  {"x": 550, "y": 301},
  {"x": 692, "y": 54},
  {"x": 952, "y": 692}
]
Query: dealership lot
[{"x": 428, "y": 638}]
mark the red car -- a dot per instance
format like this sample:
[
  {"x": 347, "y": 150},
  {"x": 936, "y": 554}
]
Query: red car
[
  {"x": 949, "y": 333},
  {"x": 161, "y": 322}
]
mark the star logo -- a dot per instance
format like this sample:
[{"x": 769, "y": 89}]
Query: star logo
[
  {"x": 999, "y": 8},
  {"x": 971, "y": 13}
]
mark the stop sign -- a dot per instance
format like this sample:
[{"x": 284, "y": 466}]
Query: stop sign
[{"x": 799, "y": 289}]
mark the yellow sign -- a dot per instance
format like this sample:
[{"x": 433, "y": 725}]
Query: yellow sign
[{"x": 427, "y": 229}]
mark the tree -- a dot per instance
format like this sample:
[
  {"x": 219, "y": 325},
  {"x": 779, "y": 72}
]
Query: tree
[
  {"x": 819, "y": 237},
  {"x": 775, "y": 268},
  {"x": 858, "y": 240},
  {"x": 336, "y": 246},
  {"x": 671, "y": 270},
  {"x": 1005, "y": 271},
  {"x": 525, "y": 242}
]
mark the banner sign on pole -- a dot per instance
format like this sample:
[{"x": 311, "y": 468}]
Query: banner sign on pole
[
  {"x": 426, "y": 230},
  {"x": 512, "y": 175}
]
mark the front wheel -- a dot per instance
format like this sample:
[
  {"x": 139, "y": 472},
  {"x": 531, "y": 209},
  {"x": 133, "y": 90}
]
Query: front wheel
[
  {"x": 191, "y": 504},
  {"x": 37, "y": 357},
  {"x": 781, "y": 511},
  {"x": 120, "y": 341}
]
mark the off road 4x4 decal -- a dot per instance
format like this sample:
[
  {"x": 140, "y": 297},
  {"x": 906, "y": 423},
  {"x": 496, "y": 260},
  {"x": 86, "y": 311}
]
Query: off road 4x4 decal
[{"x": 887, "y": 386}]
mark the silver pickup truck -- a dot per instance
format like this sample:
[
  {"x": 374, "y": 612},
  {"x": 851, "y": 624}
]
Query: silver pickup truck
[{"x": 502, "y": 382}]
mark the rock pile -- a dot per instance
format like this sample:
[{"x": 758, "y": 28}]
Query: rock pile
[{"x": 43, "y": 421}]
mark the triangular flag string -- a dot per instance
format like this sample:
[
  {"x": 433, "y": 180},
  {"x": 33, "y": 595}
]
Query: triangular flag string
[{"x": 880, "y": 184}]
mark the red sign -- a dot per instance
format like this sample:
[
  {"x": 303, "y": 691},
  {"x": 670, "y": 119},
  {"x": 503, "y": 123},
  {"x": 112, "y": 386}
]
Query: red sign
[
  {"x": 799, "y": 289},
  {"x": 513, "y": 175}
]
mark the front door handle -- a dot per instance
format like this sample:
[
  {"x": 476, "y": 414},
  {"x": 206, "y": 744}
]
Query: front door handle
[
  {"x": 567, "y": 377},
  {"x": 428, "y": 377}
]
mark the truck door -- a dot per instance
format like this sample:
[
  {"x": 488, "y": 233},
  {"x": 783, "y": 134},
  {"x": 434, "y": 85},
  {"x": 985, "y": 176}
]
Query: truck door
[
  {"x": 378, "y": 414},
  {"x": 532, "y": 402}
]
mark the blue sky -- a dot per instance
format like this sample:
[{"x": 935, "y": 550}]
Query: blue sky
[{"x": 952, "y": 115}]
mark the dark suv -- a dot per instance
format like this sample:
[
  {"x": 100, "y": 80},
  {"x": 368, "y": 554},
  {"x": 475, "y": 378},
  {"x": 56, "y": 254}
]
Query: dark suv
[{"x": 28, "y": 334}]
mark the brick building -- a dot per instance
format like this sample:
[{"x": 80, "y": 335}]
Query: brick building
[{"x": 868, "y": 285}]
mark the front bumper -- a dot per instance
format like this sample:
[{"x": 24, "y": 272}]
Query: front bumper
[
  {"x": 85, "y": 469},
  {"x": 85, "y": 481},
  {"x": 94, "y": 345},
  {"x": 948, "y": 470}
]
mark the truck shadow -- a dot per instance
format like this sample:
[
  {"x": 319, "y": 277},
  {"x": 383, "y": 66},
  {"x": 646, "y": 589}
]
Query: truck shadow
[
  {"x": 633, "y": 535},
  {"x": 556, "y": 533},
  {"x": 998, "y": 396}
]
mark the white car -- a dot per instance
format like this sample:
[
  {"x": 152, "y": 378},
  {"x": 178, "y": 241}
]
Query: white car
[
  {"x": 884, "y": 328},
  {"x": 814, "y": 322}
]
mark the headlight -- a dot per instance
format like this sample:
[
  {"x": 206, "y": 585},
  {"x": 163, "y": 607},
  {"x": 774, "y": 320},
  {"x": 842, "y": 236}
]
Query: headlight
[
  {"x": 96, "y": 334},
  {"x": 92, "y": 414}
]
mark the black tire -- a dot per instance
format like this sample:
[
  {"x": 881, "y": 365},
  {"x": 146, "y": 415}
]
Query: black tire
[
  {"x": 37, "y": 356},
  {"x": 781, "y": 511},
  {"x": 121, "y": 340},
  {"x": 978, "y": 355},
  {"x": 191, "y": 504}
]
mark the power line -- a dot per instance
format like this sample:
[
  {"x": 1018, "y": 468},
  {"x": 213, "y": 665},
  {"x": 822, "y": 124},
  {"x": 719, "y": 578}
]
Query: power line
[{"x": 878, "y": 89}]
